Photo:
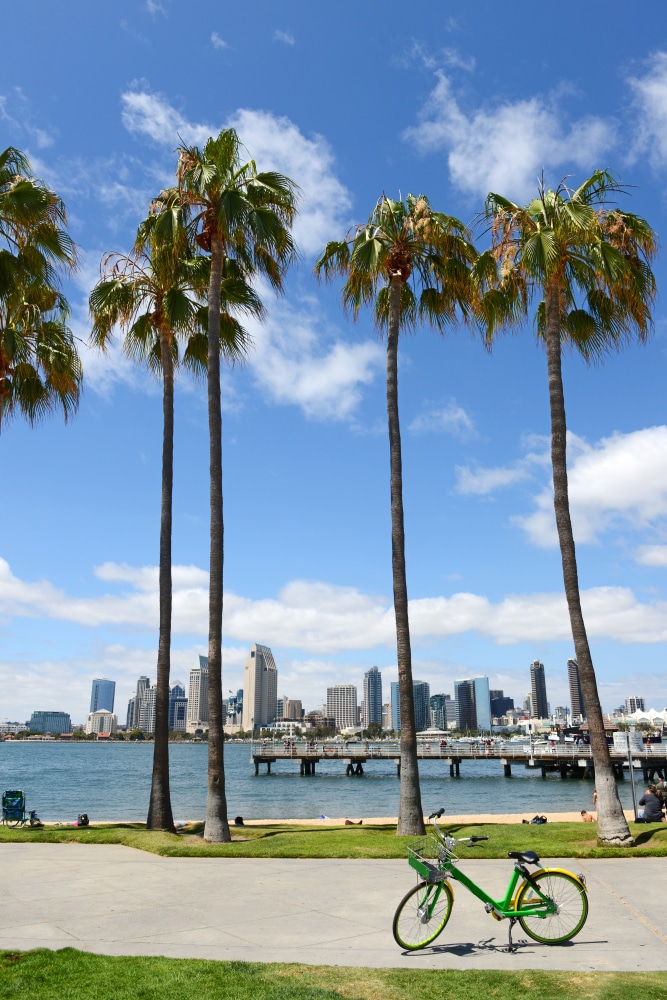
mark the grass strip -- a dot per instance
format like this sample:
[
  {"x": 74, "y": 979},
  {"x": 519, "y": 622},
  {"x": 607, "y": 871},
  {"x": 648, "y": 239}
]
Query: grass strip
[
  {"x": 61, "y": 975},
  {"x": 552, "y": 840}
]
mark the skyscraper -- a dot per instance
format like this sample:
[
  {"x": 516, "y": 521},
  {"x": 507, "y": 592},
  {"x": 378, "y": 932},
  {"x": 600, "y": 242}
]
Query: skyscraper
[
  {"x": 633, "y": 705},
  {"x": 134, "y": 704},
  {"x": 439, "y": 710},
  {"x": 576, "y": 696},
  {"x": 421, "y": 692},
  {"x": 342, "y": 705},
  {"x": 372, "y": 697},
  {"x": 473, "y": 704},
  {"x": 102, "y": 695},
  {"x": 197, "y": 714},
  {"x": 260, "y": 688},
  {"x": 178, "y": 706},
  {"x": 538, "y": 691}
]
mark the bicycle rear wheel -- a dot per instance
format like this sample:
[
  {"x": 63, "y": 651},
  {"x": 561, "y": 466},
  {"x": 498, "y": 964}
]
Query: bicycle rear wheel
[
  {"x": 422, "y": 914},
  {"x": 570, "y": 899}
]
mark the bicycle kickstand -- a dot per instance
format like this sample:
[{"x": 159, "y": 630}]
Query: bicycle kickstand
[{"x": 511, "y": 947}]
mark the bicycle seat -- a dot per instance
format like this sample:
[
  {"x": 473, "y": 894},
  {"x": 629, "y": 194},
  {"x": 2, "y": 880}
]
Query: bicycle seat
[{"x": 528, "y": 857}]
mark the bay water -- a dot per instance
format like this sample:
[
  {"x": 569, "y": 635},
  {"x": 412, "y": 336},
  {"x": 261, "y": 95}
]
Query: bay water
[{"x": 111, "y": 781}]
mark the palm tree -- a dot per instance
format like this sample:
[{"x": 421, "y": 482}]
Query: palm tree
[
  {"x": 244, "y": 218},
  {"x": 40, "y": 369},
  {"x": 155, "y": 294},
  {"x": 377, "y": 259},
  {"x": 585, "y": 268}
]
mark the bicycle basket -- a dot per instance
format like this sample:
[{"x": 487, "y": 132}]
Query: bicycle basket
[{"x": 425, "y": 856}]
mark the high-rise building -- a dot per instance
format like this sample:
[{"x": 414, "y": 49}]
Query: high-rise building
[
  {"x": 439, "y": 710},
  {"x": 372, "y": 704},
  {"x": 342, "y": 705},
  {"x": 102, "y": 695},
  {"x": 576, "y": 695},
  {"x": 147, "y": 710},
  {"x": 50, "y": 722},
  {"x": 178, "y": 707},
  {"x": 386, "y": 715},
  {"x": 538, "y": 691},
  {"x": 260, "y": 688},
  {"x": 633, "y": 705},
  {"x": 500, "y": 705},
  {"x": 197, "y": 713},
  {"x": 421, "y": 693},
  {"x": 292, "y": 709},
  {"x": 134, "y": 704},
  {"x": 473, "y": 704}
]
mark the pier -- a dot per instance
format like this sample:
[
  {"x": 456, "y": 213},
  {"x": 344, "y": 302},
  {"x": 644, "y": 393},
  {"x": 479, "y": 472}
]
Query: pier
[{"x": 568, "y": 760}]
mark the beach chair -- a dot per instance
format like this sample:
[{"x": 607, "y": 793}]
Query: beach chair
[{"x": 14, "y": 812}]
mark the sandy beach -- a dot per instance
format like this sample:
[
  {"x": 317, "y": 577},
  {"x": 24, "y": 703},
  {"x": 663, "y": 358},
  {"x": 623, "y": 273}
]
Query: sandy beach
[{"x": 563, "y": 817}]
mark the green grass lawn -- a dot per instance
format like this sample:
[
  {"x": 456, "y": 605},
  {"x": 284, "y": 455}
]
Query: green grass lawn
[
  {"x": 565, "y": 840},
  {"x": 67, "y": 974}
]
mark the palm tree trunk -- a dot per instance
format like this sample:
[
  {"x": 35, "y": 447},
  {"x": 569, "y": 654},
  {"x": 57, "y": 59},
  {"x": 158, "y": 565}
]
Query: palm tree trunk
[
  {"x": 159, "y": 811},
  {"x": 612, "y": 825},
  {"x": 410, "y": 814},
  {"x": 216, "y": 828}
]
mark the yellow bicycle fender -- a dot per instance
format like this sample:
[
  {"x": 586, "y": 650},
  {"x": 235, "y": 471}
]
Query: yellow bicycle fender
[{"x": 547, "y": 871}]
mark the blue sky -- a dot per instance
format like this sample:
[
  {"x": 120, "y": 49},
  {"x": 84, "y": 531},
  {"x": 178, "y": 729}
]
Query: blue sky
[{"x": 350, "y": 101}]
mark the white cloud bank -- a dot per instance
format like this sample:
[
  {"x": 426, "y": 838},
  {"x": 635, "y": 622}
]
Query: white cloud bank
[
  {"x": 650, "y": 94},
  {"x": 619, "y": 481},
  {"x": 503, "y": 146},
  {"x": 320, "y": 619}
]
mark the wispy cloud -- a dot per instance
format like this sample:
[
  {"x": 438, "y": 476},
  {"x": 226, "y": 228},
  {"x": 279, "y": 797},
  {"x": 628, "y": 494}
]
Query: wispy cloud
[
  {"x": 449, "y": 419},
  {"x": 153, "y": 7},
  {"x": 650, "y": 96},
  {"x": 286, "y": 37},
  {"x": 218, "y": 42}
]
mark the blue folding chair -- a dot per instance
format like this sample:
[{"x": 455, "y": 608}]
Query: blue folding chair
[{"x": 14, "y": 812}]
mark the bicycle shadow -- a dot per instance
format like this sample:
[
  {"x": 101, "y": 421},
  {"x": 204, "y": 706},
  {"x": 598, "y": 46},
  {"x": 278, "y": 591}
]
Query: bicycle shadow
[{"x": 487, "y": 946}]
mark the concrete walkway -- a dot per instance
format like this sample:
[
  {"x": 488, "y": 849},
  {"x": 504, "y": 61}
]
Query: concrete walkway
[{"x": 118, "y": 901}]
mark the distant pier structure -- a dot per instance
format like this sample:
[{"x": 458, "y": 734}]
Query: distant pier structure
[{"x": 568, "y": 760}]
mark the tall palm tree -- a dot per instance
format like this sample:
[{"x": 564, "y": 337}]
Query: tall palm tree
[
  {"x": 156, "y": 296},
  {"x": 377, "y": 260},
  {"x": 245, "y": 217},
  {"x": 40, "y": 369},
  {"x": 584, "y": 267}
]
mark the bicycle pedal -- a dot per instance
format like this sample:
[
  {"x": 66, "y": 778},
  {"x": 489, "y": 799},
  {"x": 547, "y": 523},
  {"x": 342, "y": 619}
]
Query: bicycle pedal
[{"x": 491, "y": 910}]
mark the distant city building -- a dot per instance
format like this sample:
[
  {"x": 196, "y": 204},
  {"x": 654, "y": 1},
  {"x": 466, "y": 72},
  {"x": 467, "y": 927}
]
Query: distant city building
[
  {"x": 134, "y": 704},
  {"x": 178, "y": 706},
  {"x": 538, "y": 691},
  {"x": 102, "y": 695},
  {"x": 292, "y": 709},
  {"x": 473, "y": 704},
  {"x": 421, "y": 693},
  {"x": 147, "y": 710},
  {"x": 318, "y": 720},
  {"x": 439, "y": 710},
  {"x": 576, "y": 694},
  {"x": 500, "y": 705},
  {"x": 260, "y": 688},
  {"x": 50, "y": 722},
  {"x": 102, "y": 721},
  {"x": 197, "y": 712},
  {"x": 372, "y": 703},
  {"x": 386, "y": 715},
  {"x": 342, "y": 705},
  {"x": 633, "y": 705}
]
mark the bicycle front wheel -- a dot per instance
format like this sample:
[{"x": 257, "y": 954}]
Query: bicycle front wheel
[
  {"x": 422, "y": 914},
  {"x": 571, "y": 902}
]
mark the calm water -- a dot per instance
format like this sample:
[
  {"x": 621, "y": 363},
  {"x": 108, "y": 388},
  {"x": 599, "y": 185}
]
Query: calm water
[{"x": 112, "y": 782}]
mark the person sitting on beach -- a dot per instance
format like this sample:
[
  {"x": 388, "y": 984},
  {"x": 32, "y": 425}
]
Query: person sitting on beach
[
  {"x": 652, "y": 806},
  {"x": 586, "y": 817}
]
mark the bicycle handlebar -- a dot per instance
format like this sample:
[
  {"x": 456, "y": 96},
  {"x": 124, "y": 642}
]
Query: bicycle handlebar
[{"x": 438, "y": 814}]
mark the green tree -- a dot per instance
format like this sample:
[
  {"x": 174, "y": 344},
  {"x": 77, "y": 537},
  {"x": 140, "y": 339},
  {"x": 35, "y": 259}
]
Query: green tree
[
  {"x": 243, "y": 216},
  {"x": 583, "y": 266},
  {"x": 400, "y": 240},
  {"x": 40, "y": 369}
]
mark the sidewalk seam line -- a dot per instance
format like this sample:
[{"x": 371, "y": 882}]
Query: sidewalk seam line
[{"x": 628, "y": 905}]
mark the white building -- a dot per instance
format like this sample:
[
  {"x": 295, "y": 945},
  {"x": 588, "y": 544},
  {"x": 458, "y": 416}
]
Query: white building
[
  {"x": 342, "y": 705},
  {"x": 102, "y": 721},
  {"x": 197, "y": 717},
  {"x": 147, "y": 710},
  {"x": 260, "y": 688}
]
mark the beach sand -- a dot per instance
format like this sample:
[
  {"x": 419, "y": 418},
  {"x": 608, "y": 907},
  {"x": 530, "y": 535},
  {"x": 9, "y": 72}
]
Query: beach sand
[{"x": 565, "y": 817}]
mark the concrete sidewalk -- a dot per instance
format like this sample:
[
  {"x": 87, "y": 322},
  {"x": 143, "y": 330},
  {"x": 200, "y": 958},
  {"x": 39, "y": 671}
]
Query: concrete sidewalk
[{"x": 118, "y": 901}]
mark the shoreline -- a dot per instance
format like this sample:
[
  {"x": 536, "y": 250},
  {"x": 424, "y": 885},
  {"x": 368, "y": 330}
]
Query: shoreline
[{"x": 331, "y": 821}]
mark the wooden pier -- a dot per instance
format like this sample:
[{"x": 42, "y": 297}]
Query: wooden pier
[{"x": 566, "y": 759}]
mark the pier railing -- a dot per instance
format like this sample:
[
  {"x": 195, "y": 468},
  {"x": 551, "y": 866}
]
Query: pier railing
[{"x": 317, "y": 750}]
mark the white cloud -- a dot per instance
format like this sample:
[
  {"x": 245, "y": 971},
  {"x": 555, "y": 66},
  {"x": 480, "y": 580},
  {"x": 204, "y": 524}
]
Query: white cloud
[
  {"x": 482, "y": 481},
  {"x": 295, "y": 361},
  {"x": 502, "y": 147},
  {"x": 286, "y": 37},
  {"x": 320, "y": 619},
  {"x": 276, "y": 143},
  {"x": 20, "y": 121},
  {"x": 620, "y": 480},
  {"x": 652, "y": 555},
  {"x": 650, "y": 93},
  {"x": 449, "y": 419},
  {"x": 218, "y": 42},
  {"x": 153, "y": 7}
]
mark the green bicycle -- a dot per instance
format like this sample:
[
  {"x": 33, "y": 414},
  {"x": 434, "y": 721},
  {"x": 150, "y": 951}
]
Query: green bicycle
[{"x": 550, "y": 904}]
